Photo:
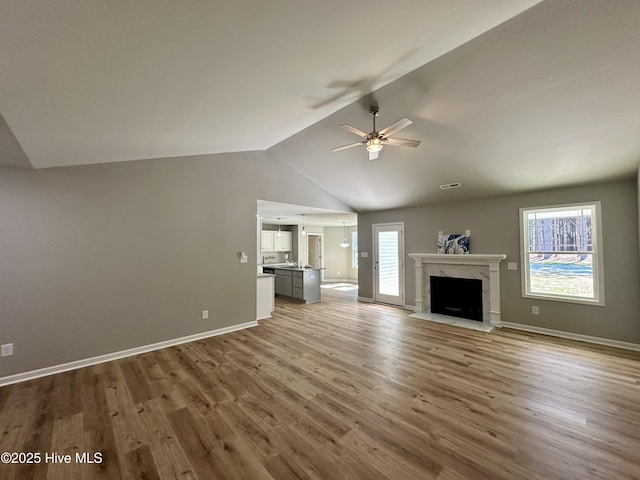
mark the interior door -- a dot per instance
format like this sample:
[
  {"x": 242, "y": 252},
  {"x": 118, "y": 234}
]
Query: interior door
[
  {"x": 388, "y": 250},
  {"x": 314, "y": 247}
]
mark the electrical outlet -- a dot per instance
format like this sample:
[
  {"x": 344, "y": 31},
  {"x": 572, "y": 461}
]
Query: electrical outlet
[
  {"x": 6, "y": 350},
  {"x": 205, "y": 314},
  {"x": 535, "y": 310}
]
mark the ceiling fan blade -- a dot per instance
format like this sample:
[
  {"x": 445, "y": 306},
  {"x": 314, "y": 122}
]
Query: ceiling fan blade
[
  {"x": 373, "y": 155},
  {"x": 395, "y": 126},
  {"x": 402, "y": 141},
  {"x": 355, "y": 130},
  {"x": 344, "y": 147}
]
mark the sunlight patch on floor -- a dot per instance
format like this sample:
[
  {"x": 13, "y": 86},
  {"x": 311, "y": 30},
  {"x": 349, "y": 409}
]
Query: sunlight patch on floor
[{"x": 343, "y": 287}]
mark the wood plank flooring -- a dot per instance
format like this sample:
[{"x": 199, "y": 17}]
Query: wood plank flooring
[{"x": 338, "y": 390}]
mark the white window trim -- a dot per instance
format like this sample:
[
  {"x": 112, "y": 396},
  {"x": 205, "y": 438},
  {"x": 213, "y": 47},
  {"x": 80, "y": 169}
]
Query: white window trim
[
  {"x": 598, "y": 264},
  {"x": 354, "y": 250}
]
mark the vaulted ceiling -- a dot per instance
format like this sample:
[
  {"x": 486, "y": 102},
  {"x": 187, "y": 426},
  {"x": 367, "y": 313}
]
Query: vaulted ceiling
[{"x": 505, "y": 95}]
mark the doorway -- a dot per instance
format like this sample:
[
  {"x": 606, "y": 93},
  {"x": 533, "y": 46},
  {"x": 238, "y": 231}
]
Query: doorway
[
  {"x": 315, "y": 251},
  {"x": 388, "y": 265}
]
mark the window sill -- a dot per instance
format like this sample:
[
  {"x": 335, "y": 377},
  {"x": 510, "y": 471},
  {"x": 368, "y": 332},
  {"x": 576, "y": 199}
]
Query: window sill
[{"x": 554, "y": 298}]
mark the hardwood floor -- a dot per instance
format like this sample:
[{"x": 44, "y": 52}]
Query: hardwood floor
[{"x": 335, "y": 390}]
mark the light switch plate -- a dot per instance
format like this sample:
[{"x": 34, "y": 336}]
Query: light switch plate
[
  {"x": 6, "y": 350},
  {"x": 364, "y": 254},
  {"x": 512, "y": 266}
]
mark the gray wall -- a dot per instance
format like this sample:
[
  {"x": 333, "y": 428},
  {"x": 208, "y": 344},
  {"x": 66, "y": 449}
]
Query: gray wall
[
  {"x": 337, "y": 260},
  {"x": 102, "y": 258},
  {"x": 495, "y": 229},
  {"x": 11, "y": 153}
]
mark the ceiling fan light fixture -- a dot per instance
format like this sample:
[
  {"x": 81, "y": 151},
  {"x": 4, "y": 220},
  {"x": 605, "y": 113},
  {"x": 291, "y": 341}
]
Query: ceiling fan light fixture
[{"x": 374, "y": 144}]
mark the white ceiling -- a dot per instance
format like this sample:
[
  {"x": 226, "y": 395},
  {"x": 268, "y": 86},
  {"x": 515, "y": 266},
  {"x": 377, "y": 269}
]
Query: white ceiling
[
  {"x": 90, "y": 81},
  {"x": 547, "y": 99},
  {"x": 506, "y": 95}
]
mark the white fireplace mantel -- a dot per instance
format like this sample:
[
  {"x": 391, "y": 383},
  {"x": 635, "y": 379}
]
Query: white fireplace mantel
[
  {"x": 486, "y": 264},
  {"x": 491, "y": 259}
]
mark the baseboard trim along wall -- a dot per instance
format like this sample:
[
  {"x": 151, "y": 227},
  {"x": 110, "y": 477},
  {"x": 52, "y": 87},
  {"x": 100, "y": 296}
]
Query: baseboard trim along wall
[
  {"x": 365, "y": 299},
  {"x": 573, "y": 336},
  {"x": 43, "y": 372},
  {"x": 23, "y": 377}
]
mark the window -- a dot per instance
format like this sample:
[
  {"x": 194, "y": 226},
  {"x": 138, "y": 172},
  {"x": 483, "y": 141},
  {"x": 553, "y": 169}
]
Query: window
[
  {"x": 354, "y": 249},
  {"x": 562, "y": 253}
]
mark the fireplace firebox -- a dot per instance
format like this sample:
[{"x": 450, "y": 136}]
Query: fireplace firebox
[{"x": 457, "y": 297}]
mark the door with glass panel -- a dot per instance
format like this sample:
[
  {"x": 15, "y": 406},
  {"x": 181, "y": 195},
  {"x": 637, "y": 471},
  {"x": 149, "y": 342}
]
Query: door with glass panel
[{"x": 388, "y": 251}]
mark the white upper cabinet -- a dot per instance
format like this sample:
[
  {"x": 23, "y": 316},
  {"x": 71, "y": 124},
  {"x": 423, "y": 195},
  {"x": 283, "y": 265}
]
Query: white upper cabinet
[
  {"x": 267, "y": 241},
  {"x": 272, "y": 242},
  {"x": 282, "y": 242}
]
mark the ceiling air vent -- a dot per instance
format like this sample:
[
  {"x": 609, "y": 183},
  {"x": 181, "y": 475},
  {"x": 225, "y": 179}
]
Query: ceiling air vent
[{"x": 449, "y": 186}]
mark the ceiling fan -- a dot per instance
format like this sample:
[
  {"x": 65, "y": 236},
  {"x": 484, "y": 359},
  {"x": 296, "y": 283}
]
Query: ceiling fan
[{"x": 375, "y": 140}]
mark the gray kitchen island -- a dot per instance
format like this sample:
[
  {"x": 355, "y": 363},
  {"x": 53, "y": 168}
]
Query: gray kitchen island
[{"x": 301, "y": 284}]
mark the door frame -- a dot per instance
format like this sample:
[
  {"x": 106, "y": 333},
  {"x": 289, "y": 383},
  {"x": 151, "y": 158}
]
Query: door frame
[
  {"x": 321, "y": 242},
  {"x": 401, "y": 273}
]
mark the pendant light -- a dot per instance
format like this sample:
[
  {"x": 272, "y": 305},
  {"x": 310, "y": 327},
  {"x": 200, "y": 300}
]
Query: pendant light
[
  {"x": 344, "y": 243},
  {"x": 303, "y": 231},
  {"x": 279, "y": 228}
]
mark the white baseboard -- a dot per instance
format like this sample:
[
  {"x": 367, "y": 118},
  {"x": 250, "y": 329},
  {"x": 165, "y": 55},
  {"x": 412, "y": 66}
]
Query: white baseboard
[
  {"x": 43, "y": 372},
  {"x": 371, "y": 300},
  {"x": 573, "y": 336}
]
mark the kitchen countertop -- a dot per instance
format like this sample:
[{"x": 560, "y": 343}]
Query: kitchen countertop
[
  {"x": 296, "y": 269},
  {"x": 261, "y": 275}
]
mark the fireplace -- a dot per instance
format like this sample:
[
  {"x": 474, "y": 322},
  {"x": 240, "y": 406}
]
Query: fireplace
[
  {"x": 457, "y": 297},
  {"x": 483, "y": 268}
]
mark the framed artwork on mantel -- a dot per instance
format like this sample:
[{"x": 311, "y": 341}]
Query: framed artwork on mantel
[{"x": 454, "y": 243}]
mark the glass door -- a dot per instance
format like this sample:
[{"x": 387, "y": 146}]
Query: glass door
[{"x": 388, "y": 247}]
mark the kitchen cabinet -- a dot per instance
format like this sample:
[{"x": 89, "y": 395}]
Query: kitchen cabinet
[
  {"x": 267, "y": 241},
  {"x": 272, "y": 242},
  {"x": 300, "y": 283},
  {"x": 284, "y": 282},
  {"x": 283, "y": 242}
]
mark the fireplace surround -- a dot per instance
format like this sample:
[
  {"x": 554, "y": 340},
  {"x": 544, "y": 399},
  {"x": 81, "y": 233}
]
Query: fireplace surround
[{"x": 484, "y": 267}]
